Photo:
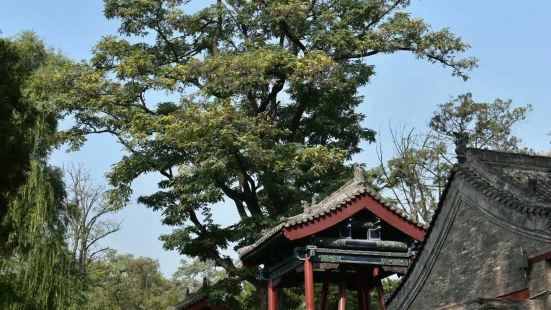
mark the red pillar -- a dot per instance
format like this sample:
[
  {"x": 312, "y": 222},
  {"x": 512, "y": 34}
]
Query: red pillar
[
  {"x": 381, "y": 294},
  {"x": 309, "y": 283},
  {"x": 325, "y": 289},
  {"x": 342, "y": 297},
  {"x": 272, "y": 296},
  {"x": 376, "y": 273}
]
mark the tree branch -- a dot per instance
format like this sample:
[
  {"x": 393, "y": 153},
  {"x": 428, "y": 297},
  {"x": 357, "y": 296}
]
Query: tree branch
[
  {"x": 291, "y": 37},
  {"x": 381, "y": 16},
  {"x": 276, "y": 88}
]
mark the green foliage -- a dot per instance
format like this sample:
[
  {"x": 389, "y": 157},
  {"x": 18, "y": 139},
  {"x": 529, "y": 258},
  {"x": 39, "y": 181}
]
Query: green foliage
[
  {"x": 122, "y": 281},
  {"x": 352, "y": 297},
  {"x": 24, "y": 106},
  {"x": 39, "y": 273},
  {"x": 190, "y": 275},
  {"x": 289, "y": 298},
  {"x": 418, "y": 172},
  {"x": 264, "y": 111},
  {"x": 293, "y": 298},
  {"x": 17, "y": 117},
  {"x": 37, "y": 270},
  {"x": 486, "y": 124}
]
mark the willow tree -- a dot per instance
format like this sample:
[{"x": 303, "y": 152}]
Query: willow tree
[
  {"x": 16, "y": 123},
  {"x": 260, "y": 108},
  {"x": 35, "y": 267}
]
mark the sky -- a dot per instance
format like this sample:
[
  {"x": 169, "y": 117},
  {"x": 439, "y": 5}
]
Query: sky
[{"x": 511, "y": 39}]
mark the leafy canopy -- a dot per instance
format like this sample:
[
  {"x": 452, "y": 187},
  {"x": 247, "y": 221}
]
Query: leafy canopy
[{"x": 122, "y": 281}]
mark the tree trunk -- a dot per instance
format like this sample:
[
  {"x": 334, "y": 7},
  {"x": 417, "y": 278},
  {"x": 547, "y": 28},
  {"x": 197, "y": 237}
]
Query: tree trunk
[
  {"x": 262, "y": 291},
  {"x": 280, "y": 296}
]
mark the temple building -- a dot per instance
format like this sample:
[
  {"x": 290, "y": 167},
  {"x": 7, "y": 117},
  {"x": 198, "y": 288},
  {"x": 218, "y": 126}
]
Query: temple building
[
  {"x": 489, "y": 243},
  {"x": 352, "y": 239}
]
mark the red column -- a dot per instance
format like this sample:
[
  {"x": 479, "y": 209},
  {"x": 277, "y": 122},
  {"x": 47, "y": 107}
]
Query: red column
[
  {"x": 272, "y": 296},
  {"x": 309, "y": 283},
  {"x": 376, "y": 273},
  {"x": 325, "y": 289},
  {"x": 342, "y": 297},
  {"x": 381, "y": 294}
]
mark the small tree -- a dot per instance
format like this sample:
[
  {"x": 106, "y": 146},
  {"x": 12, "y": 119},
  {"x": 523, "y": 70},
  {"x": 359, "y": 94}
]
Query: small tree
[
  {"x": 415, "y": 177},
  {"x": 416, "y": 174},
  {"x": 190, "y": 276},
  {"x": 87, "y": 221}
]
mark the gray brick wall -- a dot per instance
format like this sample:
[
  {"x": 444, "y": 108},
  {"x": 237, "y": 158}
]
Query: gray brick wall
[
  {"x": 478, "y": 259},
  {"x": 539, "y": 282}
]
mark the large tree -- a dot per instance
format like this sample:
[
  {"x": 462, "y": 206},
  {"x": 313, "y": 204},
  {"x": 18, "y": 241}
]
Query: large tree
[
  {"x": 191, "y": 275},
  {"x": 260, "y": 108}
]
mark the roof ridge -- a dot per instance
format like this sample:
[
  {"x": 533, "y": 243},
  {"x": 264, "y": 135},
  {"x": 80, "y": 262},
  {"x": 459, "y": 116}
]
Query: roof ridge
[
  {"x": 506, "y": 156},
  {"x": 358, "y": 179},
  {"x": 489, "y": 176},
  {"x": 192, "y": 298}
]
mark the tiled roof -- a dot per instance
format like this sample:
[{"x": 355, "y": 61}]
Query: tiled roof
[
  {"x": 337, "y": 200},
  {"x": 518, "y": 181}
]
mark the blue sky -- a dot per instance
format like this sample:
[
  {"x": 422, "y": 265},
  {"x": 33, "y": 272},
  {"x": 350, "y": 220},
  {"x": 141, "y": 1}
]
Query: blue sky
[{"x": 511, "y": 39}]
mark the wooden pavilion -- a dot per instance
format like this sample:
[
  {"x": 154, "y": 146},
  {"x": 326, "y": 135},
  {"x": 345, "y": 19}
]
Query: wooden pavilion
[{"x": 353, "y": 238}]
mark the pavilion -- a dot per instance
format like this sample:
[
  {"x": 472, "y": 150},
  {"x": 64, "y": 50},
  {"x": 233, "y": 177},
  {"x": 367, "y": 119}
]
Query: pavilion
[{"x": 352, "y": 239}]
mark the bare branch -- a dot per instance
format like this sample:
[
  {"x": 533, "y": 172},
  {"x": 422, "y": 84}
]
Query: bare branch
[{"x": 87, "y": 223}]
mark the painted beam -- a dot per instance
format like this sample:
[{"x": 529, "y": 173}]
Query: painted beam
[
  {"x": 523, "y": 294},
  {"x": 538, "y": 258}
]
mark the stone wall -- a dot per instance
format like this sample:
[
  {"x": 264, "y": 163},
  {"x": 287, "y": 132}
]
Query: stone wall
[
  {"x": 539, "y": 282},
  {"x": 478, "y": 259},
  {"x": 496, "y": 304}
]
